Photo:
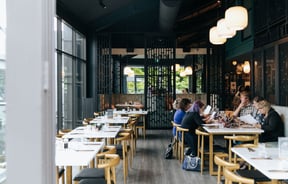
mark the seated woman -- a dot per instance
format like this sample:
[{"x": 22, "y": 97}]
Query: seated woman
[
  {"x": 257, "y": 114},
  {"x": 192, "y": 120},
  {"x": 181, "y": 106},
  {"x": 273, "y": 125}
]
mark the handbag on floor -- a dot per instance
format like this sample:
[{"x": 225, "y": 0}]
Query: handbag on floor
[
  {"x": 191, "y": 163},
  {"x": 169, "y": 150}
]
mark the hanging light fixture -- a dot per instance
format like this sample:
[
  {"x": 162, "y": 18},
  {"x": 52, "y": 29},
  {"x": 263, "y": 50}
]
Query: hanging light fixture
[
  {"x": 127, "y": 70},
  {"x": 183, "y": 74},
  {"x": 188, "y": 70},
  {"x": 236, "y": 17},
  {"x": 131, "y": 74},
  {"x": 246, "y": 67},
  {"x": 223, "y": 30},
  {"x": 214, "y": 38}
]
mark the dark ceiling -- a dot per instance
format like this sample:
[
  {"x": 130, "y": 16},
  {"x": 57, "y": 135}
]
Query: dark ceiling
[{"x": 129, "y": 21}]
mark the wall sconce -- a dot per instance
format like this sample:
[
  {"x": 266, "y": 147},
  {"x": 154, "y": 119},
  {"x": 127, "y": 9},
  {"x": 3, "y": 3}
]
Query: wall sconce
[
  {"x": 188, "y": 70},
  {"x": 234, "y": 63},
  {"x": 246, "y": 67}
]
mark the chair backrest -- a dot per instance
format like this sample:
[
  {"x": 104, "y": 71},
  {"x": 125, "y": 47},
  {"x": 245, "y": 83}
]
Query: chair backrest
[
  {"x": 182, "y": 131},
  {"x": 230, "y": 177},
  {"x": 243, "y": 141},
  {"x": 221, "y": 163},
  {"x": 109, "y": 164},
  {"x": 100, "y": 157}
]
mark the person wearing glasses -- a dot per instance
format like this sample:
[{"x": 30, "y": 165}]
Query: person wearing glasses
[{"x": 273, "y": 125}]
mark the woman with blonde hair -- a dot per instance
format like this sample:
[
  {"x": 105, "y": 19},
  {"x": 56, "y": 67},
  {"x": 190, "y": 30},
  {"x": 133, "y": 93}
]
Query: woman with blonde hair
[{"x": 273, "y": 125}]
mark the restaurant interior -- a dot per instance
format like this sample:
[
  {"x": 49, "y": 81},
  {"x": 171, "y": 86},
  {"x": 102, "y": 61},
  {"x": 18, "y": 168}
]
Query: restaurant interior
[{"x": 108, "y": 72}]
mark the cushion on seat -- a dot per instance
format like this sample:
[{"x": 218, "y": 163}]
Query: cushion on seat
[
  {"x": 93, "y": 181},
  {"x": 90, "y": 173},
  {"x": 253, "y": 174}
]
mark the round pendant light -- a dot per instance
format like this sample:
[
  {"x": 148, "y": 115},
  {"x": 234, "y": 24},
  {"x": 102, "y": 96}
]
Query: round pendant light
[
  {"x": 223, "y": 29},
  {"x": 236, "y": 17},
  {"x": 214, "y": 37},
  {"x": 188, "y": 70}
]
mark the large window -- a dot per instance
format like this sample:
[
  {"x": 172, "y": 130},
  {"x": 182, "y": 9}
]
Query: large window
[
  {"x": 135, "y": 80},
  {"x": 71, "y": 78},
  {"x": 2, "y": 89}
]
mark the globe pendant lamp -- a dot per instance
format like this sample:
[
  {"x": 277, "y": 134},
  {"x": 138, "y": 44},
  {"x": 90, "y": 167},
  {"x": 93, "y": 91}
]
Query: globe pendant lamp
[
  {"x": 236, "y": 17},
  {"x": 188, "y": 70},
  {"x": 223, "y": 29},
  {"x": 214, "y": 38}
]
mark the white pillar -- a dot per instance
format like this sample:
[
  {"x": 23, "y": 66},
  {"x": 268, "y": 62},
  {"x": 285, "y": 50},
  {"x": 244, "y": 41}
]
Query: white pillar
[{"x": 29, "y": 92}]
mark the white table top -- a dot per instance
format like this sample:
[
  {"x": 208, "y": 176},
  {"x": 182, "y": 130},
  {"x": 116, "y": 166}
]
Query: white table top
[
  {"x": 141, "y": 112},
  {"x": 264, "y": 164},
  {"x": 77, "y": 153},
  {"x": 240, "y": 130},
  {"x": 86, "y": 132},
  {"x": 114, "y": 120}
]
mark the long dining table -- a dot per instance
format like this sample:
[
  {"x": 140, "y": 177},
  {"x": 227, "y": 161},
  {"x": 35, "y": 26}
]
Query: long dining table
[
  {"x": 77, "y": 154},
  {"x": 107, "y": 132},
  {"x": 217, "y": 130},
  {"x": 269, "y": 163}
]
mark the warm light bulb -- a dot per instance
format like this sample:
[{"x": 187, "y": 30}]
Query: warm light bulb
[
  {"x": 236, "y": 17},
  {"x": 223, "y": 29},
  {"x": 214, "y": 38},
  {"x": 246, "y": 67},
  {"x": 188, "y": 70}
]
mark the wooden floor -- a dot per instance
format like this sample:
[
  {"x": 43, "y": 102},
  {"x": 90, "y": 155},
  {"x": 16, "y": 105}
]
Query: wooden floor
[{"x": 150, "y": 166}]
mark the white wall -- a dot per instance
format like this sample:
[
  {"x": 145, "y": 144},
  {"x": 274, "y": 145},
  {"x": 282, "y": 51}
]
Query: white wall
[
  {"x": 283, "y": 112},
  {"x": 30, "y": 145}
]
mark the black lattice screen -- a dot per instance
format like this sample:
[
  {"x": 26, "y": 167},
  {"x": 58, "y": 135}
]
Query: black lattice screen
[{"x": 160, "y": 82}]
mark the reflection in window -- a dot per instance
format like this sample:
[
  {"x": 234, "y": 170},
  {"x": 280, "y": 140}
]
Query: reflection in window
[
  {"x": 135, "y": 80},
  {"x": 270, "y": 75},
  {"x": 258, "y": 74},
  {"x": 66, "y": 38},
  {"x": 283, "y": 65}
]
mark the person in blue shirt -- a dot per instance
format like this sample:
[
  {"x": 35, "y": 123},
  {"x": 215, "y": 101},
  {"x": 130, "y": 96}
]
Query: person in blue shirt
[{"x": 181, "y": 106}]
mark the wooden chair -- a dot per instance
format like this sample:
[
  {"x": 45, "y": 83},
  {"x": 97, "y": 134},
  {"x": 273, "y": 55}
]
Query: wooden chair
[
  {"x": 105, "y": 171},
  {"x": 141, "y": 125},
  {"x": 132, "y": 144},
  {"x": 244, "y": 140},
  {"x": 230, "y": 177},
  {"x": 201, "y": 151},
  {"x": 181, "y": 146},
  {"x": 122, "y": 148},
  {"x": 175, "y": 139},
  {"x": 221, "y": 163},
  {"x": 86, "y": 121},
  {"x": 60, "y": 174}
]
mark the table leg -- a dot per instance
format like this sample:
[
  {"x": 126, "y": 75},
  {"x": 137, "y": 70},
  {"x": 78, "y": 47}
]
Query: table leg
[
  {"x": 211, "y": 165},
  {"x": 68, "y": 174}
]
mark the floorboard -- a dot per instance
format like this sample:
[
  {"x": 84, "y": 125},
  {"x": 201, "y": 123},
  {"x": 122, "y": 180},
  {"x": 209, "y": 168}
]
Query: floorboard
[{"x": 150, "y": 166}]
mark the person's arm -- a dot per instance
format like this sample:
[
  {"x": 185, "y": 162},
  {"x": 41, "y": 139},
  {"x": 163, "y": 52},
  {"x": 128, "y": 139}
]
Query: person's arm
[{"x": 237, "y": 111}]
